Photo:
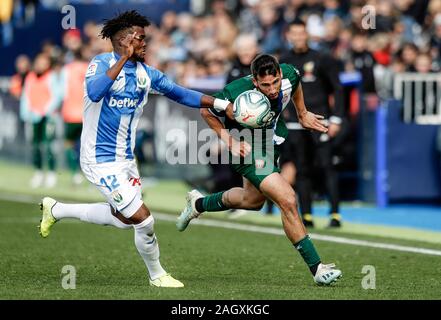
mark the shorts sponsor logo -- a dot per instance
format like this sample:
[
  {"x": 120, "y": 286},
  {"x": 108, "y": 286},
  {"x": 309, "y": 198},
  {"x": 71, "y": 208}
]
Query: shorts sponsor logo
[
  {"x": 135, "y": 181},
  {"x": 117, "y": 197}
]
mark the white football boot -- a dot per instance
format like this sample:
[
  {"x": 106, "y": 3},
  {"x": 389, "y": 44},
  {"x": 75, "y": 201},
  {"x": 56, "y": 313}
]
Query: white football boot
[
  {"x": 327, "y": 274},
  {"x": 189, "y": 211}
]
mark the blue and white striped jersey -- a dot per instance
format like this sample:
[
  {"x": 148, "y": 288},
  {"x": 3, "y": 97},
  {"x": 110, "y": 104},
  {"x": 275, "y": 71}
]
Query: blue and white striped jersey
[{"x": 112, "y": 108}]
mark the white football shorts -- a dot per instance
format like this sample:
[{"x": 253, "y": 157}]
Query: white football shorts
[{"x": 119, "y": 182}]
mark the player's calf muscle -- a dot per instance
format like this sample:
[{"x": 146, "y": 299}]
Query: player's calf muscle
[{"x": 241, "y": 198}]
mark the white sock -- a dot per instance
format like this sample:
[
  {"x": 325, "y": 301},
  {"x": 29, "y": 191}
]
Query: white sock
[
  {"x": 98, "y": 213},
  {"x": 148, "y": 248}
]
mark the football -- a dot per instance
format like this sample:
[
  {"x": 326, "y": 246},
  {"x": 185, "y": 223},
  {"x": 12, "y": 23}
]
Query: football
[{"x": 252, "y": 109}]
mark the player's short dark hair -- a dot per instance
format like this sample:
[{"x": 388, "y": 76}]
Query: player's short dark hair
[
  {"x": 123, "y": 21},
  {"x": 265, "y": 64}
]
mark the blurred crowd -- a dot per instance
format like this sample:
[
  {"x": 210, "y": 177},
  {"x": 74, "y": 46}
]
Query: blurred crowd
[
  {"x": 402, "y": 35},
  {"x": 200, "y": 50},
  {"x": 204, "y": 51}
]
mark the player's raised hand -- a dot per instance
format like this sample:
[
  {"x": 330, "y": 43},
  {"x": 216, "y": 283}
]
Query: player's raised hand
[
  {"x": 312, "y": 121},
  {"x": 127, "y": 44},
  {"x": 239, "y": 148}
]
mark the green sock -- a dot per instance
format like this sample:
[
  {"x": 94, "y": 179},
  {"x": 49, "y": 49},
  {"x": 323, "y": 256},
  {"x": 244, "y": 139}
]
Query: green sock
[
  {"x": 212, "y": 203},
  {"x": 309, "y": 254}
]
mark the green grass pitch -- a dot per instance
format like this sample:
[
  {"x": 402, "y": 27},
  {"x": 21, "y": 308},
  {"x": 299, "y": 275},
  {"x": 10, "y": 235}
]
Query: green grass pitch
[{"x": 214, "y": 263}]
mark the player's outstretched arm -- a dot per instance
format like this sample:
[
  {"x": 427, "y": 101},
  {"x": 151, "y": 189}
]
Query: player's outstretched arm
[
  {"x": 237, "y": 148},
  {"x": 196, "y": 99},
  {"x": 307, "y": 119}
]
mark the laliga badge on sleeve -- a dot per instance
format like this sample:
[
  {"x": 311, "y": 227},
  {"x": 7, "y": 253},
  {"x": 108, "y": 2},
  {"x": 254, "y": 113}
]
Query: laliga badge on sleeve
[{"x": 91, "y": 71}]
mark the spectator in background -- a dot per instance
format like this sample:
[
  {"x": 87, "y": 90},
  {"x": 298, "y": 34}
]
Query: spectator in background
[
  {"x": 93, "y": 42},
  {"x": 408, "y": 55},
  {"x": 248, "y": 21},
  {"x": 181, "y": 35},
  {"x": 363, "y": 61},
  {"x": 22, "y": 67},
  {"x": 54, "y": 53},
  {"x": 225, "y": 29},
  {"x": 333, "y": 27},
  {"x": 272, "y": 24},
  {"x": 436, "y": 41},
  {"x": 292, "y": 9},
  {"x": 405, "y": 22},
  {"x": 30, "y": 8},
  {"x": 245, "y": 49},
  {"x": 38, "y": 103},
  {"x": 423, "y": 63},
  {"x": 304, "y": 148},
  {"x": 384, "y": 83},
  {"x": 333, "y": 9},
  {"x": 6, "y": 8},
  {"x": 72, "y": 43},
  {"x": 385, "y": 17},
  {"x": 72, "y": 92},
  {"x": 90, "y": 31},
  {"x": 356, "y": 16},
  {"x": 316, "y": 31},
  {"x": 168, "y": 22}
]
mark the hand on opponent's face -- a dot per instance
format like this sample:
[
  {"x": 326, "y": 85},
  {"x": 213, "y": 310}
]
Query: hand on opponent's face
[{"x": 127, "y": 45}]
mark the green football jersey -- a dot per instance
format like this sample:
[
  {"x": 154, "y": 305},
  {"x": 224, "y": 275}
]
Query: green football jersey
[{"x": 290, "y": 82}]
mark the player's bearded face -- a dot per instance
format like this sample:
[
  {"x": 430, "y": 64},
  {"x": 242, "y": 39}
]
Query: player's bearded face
[{"x": 269, "y": 85}]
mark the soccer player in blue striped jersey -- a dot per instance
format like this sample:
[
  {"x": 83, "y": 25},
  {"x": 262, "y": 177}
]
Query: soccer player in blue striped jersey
[{"x": 116, "y": 90}]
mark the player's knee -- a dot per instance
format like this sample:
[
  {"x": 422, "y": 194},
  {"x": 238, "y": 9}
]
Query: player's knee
[
  {"x": 288, "y": 203},
  {"x": 141, "y": 214}
]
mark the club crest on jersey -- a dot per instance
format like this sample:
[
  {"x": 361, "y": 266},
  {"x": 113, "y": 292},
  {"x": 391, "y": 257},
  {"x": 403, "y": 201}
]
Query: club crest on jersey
[
  {"x": 117, "y": 197},
  {"x": 285, "y": 98},
  {"x": 260, "y": 163},
  {"x": 308, "y": 69},
  {"x": 142, "y": 82}
]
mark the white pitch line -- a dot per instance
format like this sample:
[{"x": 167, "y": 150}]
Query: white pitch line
[
  {"x": 280, "y": 232},
  {"x": 266, "y": 230}
]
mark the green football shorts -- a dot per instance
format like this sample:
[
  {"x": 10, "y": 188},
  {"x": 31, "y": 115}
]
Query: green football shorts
[{"x": 258, "y": 165}]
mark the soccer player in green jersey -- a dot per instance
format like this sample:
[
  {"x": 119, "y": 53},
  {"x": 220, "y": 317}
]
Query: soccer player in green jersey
[{"x": 261, "y": 175}]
